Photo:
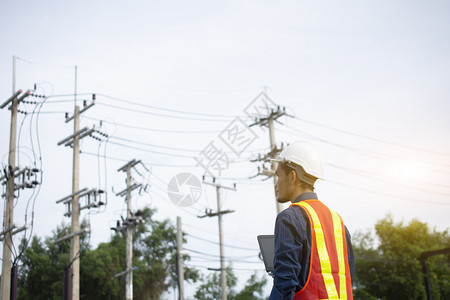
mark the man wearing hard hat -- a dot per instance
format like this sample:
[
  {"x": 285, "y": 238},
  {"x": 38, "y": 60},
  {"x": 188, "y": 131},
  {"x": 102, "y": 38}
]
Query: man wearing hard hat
[{"x": 314, "y": 257}]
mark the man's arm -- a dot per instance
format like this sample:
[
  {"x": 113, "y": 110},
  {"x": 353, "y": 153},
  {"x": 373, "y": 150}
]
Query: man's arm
[
  {"x": 350, "y": 253},
  {"x": 288, "y": 251}
]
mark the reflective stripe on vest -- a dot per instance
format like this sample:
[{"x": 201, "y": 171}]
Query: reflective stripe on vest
[{"x": 322, "y": 252}]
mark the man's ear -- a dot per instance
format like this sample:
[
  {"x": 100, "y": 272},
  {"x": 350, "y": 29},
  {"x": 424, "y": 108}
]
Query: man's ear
[{"x": 292, "y": 176}]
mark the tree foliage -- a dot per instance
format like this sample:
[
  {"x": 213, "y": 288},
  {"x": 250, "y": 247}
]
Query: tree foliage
[
  {"x": 211, "y": 287},
  {"x": 154, "y": 253},
  {"x": 389, "y": 268},
  {"x": 43, "y": 266}
]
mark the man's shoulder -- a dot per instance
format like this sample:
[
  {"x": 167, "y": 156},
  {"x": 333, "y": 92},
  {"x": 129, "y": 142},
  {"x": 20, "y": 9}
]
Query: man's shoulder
[{"x": 292, "y": 212}]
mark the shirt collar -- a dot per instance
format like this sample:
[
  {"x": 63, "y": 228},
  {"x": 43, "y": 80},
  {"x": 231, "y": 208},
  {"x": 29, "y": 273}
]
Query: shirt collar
[{"x": 306, "y": 196}]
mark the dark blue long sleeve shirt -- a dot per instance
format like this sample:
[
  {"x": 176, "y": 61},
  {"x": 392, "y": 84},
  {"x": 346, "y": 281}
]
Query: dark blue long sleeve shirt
[{"x": 293, "y": 244}]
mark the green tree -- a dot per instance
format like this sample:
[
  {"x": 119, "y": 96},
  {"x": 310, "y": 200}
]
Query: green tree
[
  {"x": 43, "y": 265},
  {"x": 388, "y": 267},
  {"x": 211, "y": 287},
  {"x": 253, "y": 289},
  {"x": 154, "y": 244}
]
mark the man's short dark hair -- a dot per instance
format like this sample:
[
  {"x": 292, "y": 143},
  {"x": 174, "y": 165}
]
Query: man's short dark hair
[{"x": 287, "y": 169}]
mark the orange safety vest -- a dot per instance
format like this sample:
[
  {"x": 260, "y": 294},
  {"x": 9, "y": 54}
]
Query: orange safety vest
[{"x": 329, "y": 272}]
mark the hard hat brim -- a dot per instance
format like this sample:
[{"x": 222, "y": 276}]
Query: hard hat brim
[{"x": 278, "y": 159}]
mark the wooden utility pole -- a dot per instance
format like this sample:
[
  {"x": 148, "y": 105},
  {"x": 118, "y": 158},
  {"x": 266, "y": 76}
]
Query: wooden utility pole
[{"x": 219, "y": 214}]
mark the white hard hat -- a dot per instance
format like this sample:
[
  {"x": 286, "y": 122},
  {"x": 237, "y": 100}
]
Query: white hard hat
[{"x": 305, "y": 155}]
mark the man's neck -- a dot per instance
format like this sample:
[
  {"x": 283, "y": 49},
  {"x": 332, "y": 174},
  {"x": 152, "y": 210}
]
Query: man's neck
[{"x": 300, "y": 191}]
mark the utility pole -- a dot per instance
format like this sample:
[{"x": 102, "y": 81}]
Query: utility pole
[
  {"x": 128, "y": 224},
  {"x": 180, "y": 266},
  {"x": 267, "y": 121},
  {"x": 75, "y": 220},
  {"x": 8, "y": 226},
  {"x": 73, "y": 201},
  {"x": 423, "y": 261},
  {"x": 219, "y": 214}
]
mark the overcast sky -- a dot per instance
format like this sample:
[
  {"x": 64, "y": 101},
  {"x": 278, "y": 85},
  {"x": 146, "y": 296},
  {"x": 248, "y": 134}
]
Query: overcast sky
[{"x": 367, "y": 82}]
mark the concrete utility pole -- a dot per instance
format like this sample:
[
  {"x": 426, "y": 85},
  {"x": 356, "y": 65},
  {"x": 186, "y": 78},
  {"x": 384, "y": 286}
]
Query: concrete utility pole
[
  {"x": 8, "y": 222},
  {"x": 219, "y": 214},
  {"x": 268, "y": 122},
  {"x": 129, "y": 223},
  {"x": 12, "y": 173},
  {"x": 180, "y": 266},
  {"x": 129, "y": 276},
  {"x": 273, "y": 165},
  {"x": 75, "y": 221},
  {"x": 73, "y": 201}
]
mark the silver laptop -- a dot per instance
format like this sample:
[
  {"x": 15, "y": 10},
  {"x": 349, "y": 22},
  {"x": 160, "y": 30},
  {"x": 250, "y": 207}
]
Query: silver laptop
[{"x": 266, "y": 245}]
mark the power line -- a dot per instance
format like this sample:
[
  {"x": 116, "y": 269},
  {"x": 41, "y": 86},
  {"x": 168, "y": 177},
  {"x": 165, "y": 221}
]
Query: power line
[
  {"x": 387, "y": 194},
  {"x": 215, "y": 243},
  {"x": 215, "y": 255},
  {"x": 125, "y": 160},
  {"x": 206, "y": 259},
  {"x": 215, "y": 234},
  {"x": 165, "y": 199},
  {"x": 160, "y": 115},
  {"x": 151, "y": 151},
  {"x": 154, "y": 129},
  {"x": 165, "y": 109},
  {"x": 376, "y": 177},
  {"x": 234, "y": 269},
  {"x": 373, "y": 154},
  {"x": 372, "y": 138},
  {"x": 172, "y": 148}
]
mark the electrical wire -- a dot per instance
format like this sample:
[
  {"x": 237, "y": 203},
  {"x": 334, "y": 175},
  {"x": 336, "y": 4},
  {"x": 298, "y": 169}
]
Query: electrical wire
[
  {"x": 373, "y": 154},
  {"x": 165, "y": 191},
  {"x": 34, "y": 195},
  {"x": 374, "y": 176},
  {"x": 158, "y": 114},
  {"x": 234, "y": 238},
  {"x": 387, "y": 194},
  {"x": 216, "y": 255},
  {"x": 216, "y": 243},
  {"x": 151, "y": 151},
  {"x": 165, "y": 109},
  {"x": 165, "y": 199},
  {"x": 154, "y": 129},
  {"x": 372, "y": 138},
  {"x": 234, "y": 269},
  {"x": 149, "y": 164},
  {"x": 240, "y": 261}
]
